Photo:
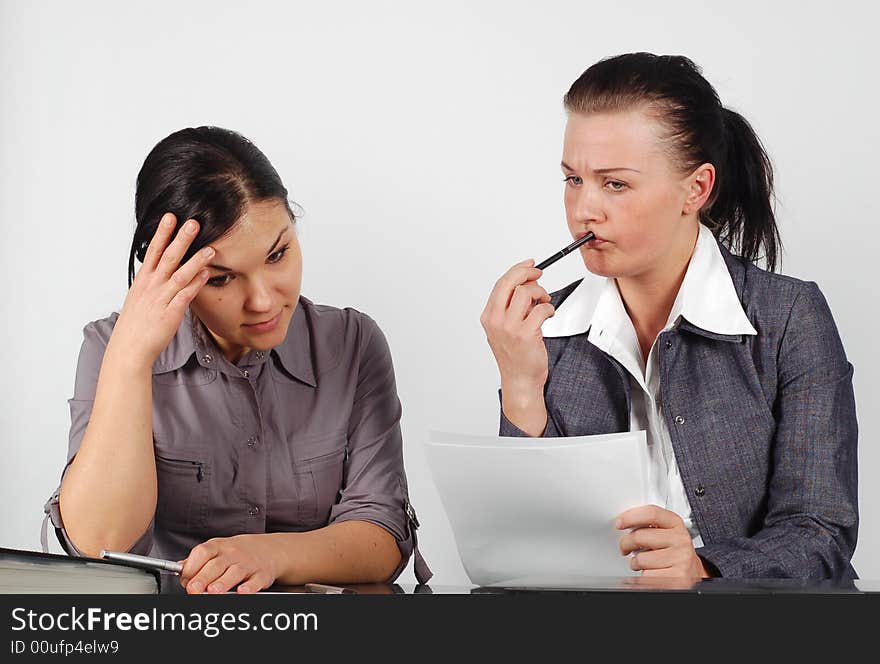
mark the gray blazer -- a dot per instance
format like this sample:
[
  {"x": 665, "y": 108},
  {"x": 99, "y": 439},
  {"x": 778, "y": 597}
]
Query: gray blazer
[{"x": 763, "y": 427}]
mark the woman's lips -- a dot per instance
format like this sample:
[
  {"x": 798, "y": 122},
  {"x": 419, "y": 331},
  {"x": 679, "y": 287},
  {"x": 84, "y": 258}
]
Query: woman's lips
[
  {"x": 595, "y": 242},
  {"x": 265, "y": 326}
]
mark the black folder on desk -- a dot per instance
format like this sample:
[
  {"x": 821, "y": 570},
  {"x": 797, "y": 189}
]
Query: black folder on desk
[{"x": 49, "y": 573}]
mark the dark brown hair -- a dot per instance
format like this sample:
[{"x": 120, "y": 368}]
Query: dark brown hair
[{"x": 205, "y": 173}]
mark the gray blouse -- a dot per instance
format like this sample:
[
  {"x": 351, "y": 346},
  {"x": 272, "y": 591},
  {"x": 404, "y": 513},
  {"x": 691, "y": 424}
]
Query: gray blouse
[{"x": 290, "y": 439}]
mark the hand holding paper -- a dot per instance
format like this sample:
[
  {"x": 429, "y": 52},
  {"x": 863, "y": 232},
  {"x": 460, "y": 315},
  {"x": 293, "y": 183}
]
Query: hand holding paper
[{"x": 660, "y": 543}]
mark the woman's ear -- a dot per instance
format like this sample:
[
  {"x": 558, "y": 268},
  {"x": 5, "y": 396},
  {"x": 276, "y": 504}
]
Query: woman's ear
[{"x": 699, "y": 186}]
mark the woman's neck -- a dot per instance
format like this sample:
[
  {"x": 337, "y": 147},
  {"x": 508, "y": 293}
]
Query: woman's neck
[
  {"x": 232, "y": 352},
  {"x": 648, "y": 297}
]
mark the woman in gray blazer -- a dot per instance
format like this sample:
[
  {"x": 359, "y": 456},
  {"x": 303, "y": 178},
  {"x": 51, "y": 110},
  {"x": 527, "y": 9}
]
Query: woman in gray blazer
[
  {"x": 221, "y": 417},
  {"x": 737, "y": 374}
]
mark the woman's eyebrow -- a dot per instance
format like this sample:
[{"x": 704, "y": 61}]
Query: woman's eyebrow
[
  {"x": 223, "y": 268},
  {"x": 602, "y": 171},
  {"x": 277, "y": 240}
]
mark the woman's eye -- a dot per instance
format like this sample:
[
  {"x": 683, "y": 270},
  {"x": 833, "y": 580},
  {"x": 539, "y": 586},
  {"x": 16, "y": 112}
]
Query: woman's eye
[
  {"x": 276, "y": 256},
  {"x": 615, "y": 185},
  {"x": 219, "y": 281},
  {"x": 573, "y": 180}
]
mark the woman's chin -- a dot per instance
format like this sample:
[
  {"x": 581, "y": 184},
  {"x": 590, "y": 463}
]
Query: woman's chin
[
  {"x": 601, "y": 268},
  {"x": 267, "y": 341}
]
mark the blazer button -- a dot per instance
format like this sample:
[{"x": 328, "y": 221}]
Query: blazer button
[
  {"x": 668, "y": 343},
  {"x": 679, "y": 419},
  {"x": 700, "y": 491}
]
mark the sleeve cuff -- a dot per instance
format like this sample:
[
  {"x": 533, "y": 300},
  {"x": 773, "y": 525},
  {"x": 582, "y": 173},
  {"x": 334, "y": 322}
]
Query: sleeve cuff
[
  {"x": 52, "y": 511},
  {"x": 508, "y": 428},
  {"x": 407, "y": 541},
  {"x": 728, "y": 561}
]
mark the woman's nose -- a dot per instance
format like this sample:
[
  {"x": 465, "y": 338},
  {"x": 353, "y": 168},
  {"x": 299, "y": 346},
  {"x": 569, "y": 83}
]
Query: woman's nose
[
  {"x": 259, "y": 296},
  {"x": 587, "y": 205}
]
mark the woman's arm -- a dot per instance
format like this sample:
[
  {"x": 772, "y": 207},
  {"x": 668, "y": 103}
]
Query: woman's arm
[
  {"x": 345, "y": 552},
  {"x": 108, "y": 495},
  {"x": 811, "y": 524},
  {"x": 512, "y": 319}
]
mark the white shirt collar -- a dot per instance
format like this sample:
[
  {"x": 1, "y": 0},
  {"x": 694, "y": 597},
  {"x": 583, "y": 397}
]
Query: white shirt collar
[{"x": 706, "y": 299}]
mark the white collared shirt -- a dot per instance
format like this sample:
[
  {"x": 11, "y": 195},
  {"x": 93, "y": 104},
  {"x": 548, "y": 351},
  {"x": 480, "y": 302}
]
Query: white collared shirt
[{"x": 706, "y": 299}]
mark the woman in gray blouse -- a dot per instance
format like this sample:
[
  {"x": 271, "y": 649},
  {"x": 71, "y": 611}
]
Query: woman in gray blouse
[
  {"x": 221, "y": 417},
  {"x": 737, "y": 374}
]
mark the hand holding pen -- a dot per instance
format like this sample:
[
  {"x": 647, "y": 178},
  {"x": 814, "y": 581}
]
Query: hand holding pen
[
  {"x": 158, "y": 564},
  {"x": 512, "y": 320}
]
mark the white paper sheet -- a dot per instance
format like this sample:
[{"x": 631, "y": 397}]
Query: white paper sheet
[{"x": 539, "y": 512}]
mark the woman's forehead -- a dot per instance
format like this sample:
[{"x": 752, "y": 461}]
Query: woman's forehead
[
  {"x": 625, "y": 139},
  {"x": 256, "y": 232}
]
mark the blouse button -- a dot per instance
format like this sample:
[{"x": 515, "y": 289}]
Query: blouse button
[
  {"x": 207, "y": 359},
  {"x": 668, "y": 344},
  {"x": 679, "y": 419},
  {"x": 246, "y": 373},
  {"x": 260, "y": 354},
  {"x": 251, "y": 441},
  {"x": 700, "y": 491}
]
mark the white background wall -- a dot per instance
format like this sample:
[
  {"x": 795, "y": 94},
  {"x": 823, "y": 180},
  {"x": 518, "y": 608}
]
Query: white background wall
[{"x": 423, "y": 141}]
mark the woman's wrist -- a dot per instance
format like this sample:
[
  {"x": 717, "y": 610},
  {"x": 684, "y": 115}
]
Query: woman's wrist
[
  {"x": 523, "y": 405},
  {"x": 123, "y": 359},
  {"x": 283, "y": 546},
  {"x": 522, "y": 392},
  {"x": 707, "y": 569}
]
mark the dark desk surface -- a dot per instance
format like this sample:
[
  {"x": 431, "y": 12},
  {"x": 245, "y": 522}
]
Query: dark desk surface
[
  {"x": 631, "y": 585},
  {"x": 170, "y": 584}
]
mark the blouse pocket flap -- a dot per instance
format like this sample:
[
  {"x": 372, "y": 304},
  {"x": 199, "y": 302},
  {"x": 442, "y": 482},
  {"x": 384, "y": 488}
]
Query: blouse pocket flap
[
  {"x": 182, "y": 491},
  {"x": 315, "y": 449}
]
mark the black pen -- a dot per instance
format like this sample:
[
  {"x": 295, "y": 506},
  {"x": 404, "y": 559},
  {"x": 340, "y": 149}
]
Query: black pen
[
  {"x": 559, "y": 254},
  {"x": 328, "y": 590}
]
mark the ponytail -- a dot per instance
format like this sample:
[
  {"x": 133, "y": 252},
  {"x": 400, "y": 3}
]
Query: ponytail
[{"x": 742, "y": 211}]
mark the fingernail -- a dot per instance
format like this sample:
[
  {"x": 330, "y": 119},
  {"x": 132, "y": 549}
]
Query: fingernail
[
  {"x": 190, "y": 227},
  {"x": 214, "y": 587},
  {"x": 196, "y": 586},
  {"x": 618, "y": 523},
  {"x": 167, "y": 221},
  {"x": 208, "y": 251}
]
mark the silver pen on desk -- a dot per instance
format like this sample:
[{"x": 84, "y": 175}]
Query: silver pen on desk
[
  {"x": 142, "y": 561},
  {"x": 328, "y": 590}
]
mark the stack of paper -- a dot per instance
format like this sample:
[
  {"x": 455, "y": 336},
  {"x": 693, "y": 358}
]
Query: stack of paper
[{"x": 539, "y": 512}]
